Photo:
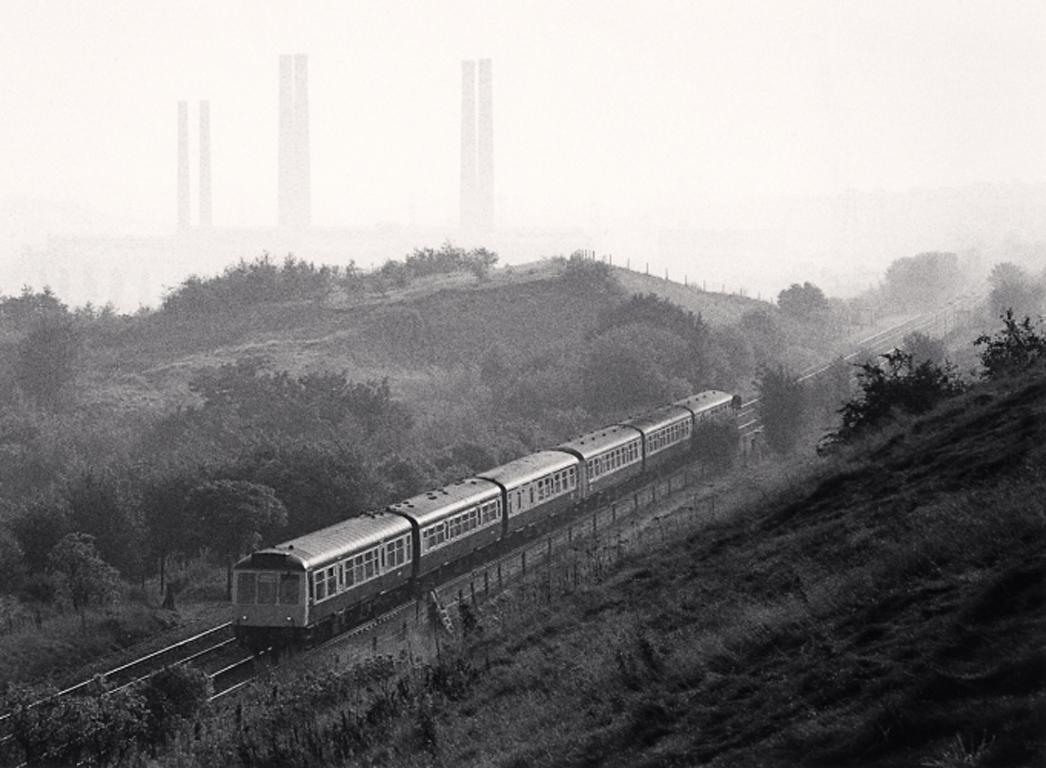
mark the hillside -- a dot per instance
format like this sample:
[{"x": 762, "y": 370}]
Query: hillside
[{"x": 883, "y": 608}]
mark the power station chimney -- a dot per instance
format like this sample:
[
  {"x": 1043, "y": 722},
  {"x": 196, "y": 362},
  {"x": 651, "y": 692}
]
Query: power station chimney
[
  {"x": 205, "y": 164},
  {"x": 485, "y": 147},
  {"x": 301, "y": 141},
  {"x": 183, "y": 165},
  {"x": 468, "y": 145},
  {"x": 285, "y": 172}
]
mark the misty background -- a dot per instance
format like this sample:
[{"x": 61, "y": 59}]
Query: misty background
[{"x": 743, "y": 146}]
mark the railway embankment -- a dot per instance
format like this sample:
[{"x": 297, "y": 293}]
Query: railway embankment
[{"x": 881, "y": 607}]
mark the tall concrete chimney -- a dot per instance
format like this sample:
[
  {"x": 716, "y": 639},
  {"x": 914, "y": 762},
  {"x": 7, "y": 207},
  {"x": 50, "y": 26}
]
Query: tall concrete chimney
[
  {"x": 205, "y": 164},
  {"x": 183, "y": 165},
  {"x": 285, "y": 182},
  {"x": 302, "y": 165},
  {"x": 485, "y": 147},
  {"x": 468, "y": 145}
]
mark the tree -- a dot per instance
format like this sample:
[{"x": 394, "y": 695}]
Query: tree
[
  {"x": 168, "y": 527},
  {"x": 39, "y": 524},
  {"x": 1014, "y": 289},
  {"x": 926, "y": 279},
  {"x": 898, "y": 385},
  {"x": 97, "y": 506},
  {"x": 803, "y": 302},
  {"x": 12, "y": 561},
  {"x": 81, "y": 576},
  {"x": 234, "y": 516},
  {"x": 782, "y": 405},
  {"x": 46, "y": 363},
  {"x": 923, "y": 347},
  {"x": 1015, "y": 348}
]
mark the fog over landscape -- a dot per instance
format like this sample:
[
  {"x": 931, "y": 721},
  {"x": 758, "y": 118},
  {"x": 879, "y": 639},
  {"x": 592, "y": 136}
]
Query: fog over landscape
[
  {"x": 523, "y": 385},
  {"x": 743, "y": 146}
]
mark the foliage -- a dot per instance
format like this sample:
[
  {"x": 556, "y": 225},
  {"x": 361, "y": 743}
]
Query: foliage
[
  {"x": 898, "y": 385},
  {"x": 763, "y": 335},
  {"x": 29, "y": 308},
  {"x": 804, "y": 302},
  {"x": 98, "y": 506},
  {"x": 234, "y": 516},
  {"x": 39, "y": 523},
  {"x": 1017, "y": 347},
  {"x": 924, "y": 348},
  {"x": 12, "y": 561},
  {"x": 174, "y": 697},
  {"x": 834, "y": 386},
  {"x": 47, "y": 360},
  {"x": 920, "y": 281},
  {"x": 782, "y": 404},
  {"x": 586, "y": 275},
  {"x": 248, "y": 283},
  {"x": 431, "y": 261},
  {"x": 101, "y": 729},
  {"x": 319, "y": 483},
  {"x": 1012, "y": 288},
  {"x": 716, "y": 446},
  {"x": 245, "y": 396},
  {"x": 630, "y": 366},
  {"x": 80, "y": 574}
]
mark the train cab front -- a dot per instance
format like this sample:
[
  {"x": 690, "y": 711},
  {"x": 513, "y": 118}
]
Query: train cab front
[{"x": 270, "y": 602}]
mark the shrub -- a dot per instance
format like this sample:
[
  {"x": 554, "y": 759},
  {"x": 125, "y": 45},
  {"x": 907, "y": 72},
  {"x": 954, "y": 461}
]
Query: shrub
[
  {"x": 1015, "y": 348},
  {"x": 175, "y": 696},
  {"x": 899, "y": 384}
]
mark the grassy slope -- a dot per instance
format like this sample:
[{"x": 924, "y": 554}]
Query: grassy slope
[{"x": 888, "y": 610}]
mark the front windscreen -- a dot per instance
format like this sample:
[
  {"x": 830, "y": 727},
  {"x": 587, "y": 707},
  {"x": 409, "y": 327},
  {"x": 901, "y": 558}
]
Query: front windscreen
[
  {"x": 245, "y": 590},
  {"x": 290, "y": 585}
]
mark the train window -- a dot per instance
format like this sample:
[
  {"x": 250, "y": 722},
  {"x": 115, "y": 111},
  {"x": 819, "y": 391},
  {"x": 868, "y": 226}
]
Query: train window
[
  {"x": 531, "y": 494},
  {"x": 320, "y": 585},
  {"x": 332, "y": 581},
  {"x": 558, "y": 483},
  {"x": 350, "y": 574},
  {"x": 394, "y": 553},
  {"x": 290, "y": 585},
  {"x": 519, "y": 499},
  {"x": 245, "y": 590},
  {"x": 266, "y": 588}
]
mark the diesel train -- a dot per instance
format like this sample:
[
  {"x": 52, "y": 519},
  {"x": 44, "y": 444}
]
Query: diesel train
[{"x": 317, "y": 585}]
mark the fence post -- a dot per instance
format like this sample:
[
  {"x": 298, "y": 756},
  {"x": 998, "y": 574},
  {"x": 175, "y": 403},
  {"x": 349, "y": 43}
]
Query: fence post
[
  {"x": 523, "y": 560},
  {"x": 499, "y": 574},
  {"x": 486, "y": 582}
]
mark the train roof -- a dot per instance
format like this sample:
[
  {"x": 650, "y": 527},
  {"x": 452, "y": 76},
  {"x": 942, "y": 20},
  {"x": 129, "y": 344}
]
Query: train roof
[
  {"x": 702, "y": 401},
  {"x": 329, "y": 544},
  {"x": 658, "y": 418},
  {"x": 433, "y": 505},
  {"x": 528, "y": 468},
  {"x": 595, "y": 443}
]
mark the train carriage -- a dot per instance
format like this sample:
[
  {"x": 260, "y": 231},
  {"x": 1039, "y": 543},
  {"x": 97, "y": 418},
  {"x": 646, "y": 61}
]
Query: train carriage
[
  {"x": 537, "y": 488},
  {"x": 608, "y": 457},
  {"x": 712, "y": 406},
  {"x": 666, "y": 435},
  {"x": 323, "y": 578},
  {"x": 449, "y": 524}
]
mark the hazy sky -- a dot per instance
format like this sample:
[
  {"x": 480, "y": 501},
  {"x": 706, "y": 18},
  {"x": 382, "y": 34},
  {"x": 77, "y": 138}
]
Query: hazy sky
[{"x": 610, "y": 109}]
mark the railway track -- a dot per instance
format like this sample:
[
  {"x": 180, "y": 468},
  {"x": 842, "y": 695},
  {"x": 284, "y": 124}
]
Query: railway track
[
  {"x": 210, "y": 650},
  {"x": 215, "y": 650},
  {"x": 877, "y": 343}
]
